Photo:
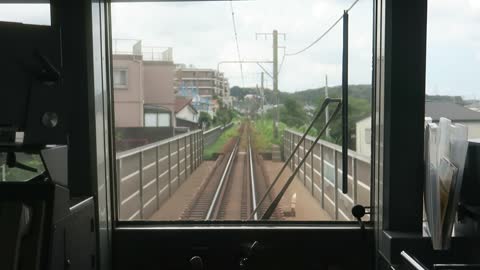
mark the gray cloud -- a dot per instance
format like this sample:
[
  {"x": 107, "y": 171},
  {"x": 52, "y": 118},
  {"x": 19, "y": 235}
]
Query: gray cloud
[{"x": 201, "y": 34}]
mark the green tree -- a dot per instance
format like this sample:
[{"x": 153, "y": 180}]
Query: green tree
[
  {"x": 292, "y": 113},
  {"x": 223, "y": 116},
  {"x": 205, "y": 119},
  {"x": 358, "y": 109}
]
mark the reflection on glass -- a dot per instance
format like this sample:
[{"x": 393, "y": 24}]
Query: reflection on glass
[
  {"x": 452, "y": 81},
  {"x": 25, "y": 13},
  {"x": 16, "y": 174},
  {"x": 453, "y": 56}
]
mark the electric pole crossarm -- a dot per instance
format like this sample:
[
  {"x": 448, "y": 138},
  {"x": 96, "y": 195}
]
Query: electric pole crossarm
[
  {"x": 274, "y": 35},
  {"x": 270, "y": 34}
]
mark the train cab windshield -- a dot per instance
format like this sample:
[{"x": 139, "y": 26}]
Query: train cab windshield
[
  {"x": 267, "y": 134},
  {"x": 229, "y": 70}
]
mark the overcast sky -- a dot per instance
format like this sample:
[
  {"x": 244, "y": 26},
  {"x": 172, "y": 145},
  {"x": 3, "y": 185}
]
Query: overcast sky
[{"x": 202, "y": 34}]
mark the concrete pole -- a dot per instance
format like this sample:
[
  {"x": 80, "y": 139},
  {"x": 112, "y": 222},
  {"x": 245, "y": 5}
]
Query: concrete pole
[
  {"x": 327, "y": 114},
  {"x": 263, "y": 93},
  {"x": 275, "y": 82}
]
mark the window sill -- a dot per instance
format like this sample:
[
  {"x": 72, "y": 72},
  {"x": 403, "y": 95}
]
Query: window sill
[
  {"x": 392, "y": 243},
  {"x": 236, "y": 225}
]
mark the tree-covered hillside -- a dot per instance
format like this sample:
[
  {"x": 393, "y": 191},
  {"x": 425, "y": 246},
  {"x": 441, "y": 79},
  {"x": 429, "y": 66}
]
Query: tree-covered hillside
[
  {"x": 312, "y": 96},
  {"x": 453, "y": 99},
  {"x": 296, "y": 109},
  {"x": 305, "y": 97}
]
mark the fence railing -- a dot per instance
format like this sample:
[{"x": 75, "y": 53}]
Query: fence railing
[
  {"x": 148, "y": 175},
  {"x": 322, "y": 174},
  {"x": 211, "y": 135}
]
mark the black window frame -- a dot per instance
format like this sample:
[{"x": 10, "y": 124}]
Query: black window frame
[{"x": 92, "y": 29}]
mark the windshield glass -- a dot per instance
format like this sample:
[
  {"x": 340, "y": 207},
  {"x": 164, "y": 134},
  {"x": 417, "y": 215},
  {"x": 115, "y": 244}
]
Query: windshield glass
[{"x": 212, "y": 98}]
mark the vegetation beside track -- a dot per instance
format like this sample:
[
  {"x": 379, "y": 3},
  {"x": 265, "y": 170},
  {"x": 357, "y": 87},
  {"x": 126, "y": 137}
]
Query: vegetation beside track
[
  {"x": 263, "y": 132},
  {"x": 210, "y": 152}
]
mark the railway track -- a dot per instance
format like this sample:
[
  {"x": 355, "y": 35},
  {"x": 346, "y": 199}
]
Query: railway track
[
  {"x": 206, "y": 202},
  {"x": 261, "y": 182},
  {"x": 232, "y": 189}
]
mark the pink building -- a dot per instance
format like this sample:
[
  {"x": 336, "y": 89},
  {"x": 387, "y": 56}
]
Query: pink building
[
  {"x": 144, "y": 90},
  {"x": 128, "y": 90}
]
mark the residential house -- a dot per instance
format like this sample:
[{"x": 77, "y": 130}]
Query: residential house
[
  {"x": 433, "y": 110},
  {"x": 159, "y": 106},
  {"x": 144, "y": 89},
  {"x": 201, "y": 104},
  {"x": 128, "y": 90},
  {"x": 458, "y": 114},
  {"x": 184, "y": 110},
  {"x": 363, "y": 136},
  {"x": 474, "y": 106}
]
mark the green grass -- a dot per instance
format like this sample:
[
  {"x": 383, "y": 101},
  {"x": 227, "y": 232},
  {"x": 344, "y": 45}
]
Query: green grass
[
  {"x": 217, "y": 147},
  {"x": 264, "y": 134}
]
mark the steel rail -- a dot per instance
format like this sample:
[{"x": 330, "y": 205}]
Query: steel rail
[
  {"x": 222, "y": 181},
  {"x": 252, "y": 180}
]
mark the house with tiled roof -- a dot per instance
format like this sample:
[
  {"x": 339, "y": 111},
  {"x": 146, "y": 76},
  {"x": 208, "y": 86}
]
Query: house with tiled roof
[
  {"x": 184, "y": 110},
  {"x": 434, "y": 110}
]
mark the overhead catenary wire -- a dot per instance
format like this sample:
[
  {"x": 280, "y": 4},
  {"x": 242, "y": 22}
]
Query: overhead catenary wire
[
  {"x": 324, "y": 34},
  {"x": 236, "y": 40}
]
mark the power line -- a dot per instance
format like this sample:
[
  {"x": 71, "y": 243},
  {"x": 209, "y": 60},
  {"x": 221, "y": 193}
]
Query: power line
[
  {"x": 324, "y": 34},
  {"x": 236, "y": 40}
]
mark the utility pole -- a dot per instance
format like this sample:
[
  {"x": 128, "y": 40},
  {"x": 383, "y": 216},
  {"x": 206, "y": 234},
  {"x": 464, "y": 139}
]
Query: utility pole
[
  {"x": 275, "y": 82},
  {"x": 262, "y": 89},
  {"x": 327, "y": 115},
  {"x": 258, "y": 96},
  {"x": 275, "y": 76}
]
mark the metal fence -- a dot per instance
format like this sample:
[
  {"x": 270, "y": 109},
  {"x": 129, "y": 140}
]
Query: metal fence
[
  {"x": 212, "y": 135},
  {"x": 149, "y": 175},
  {"x": 322, "y": 174}
]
